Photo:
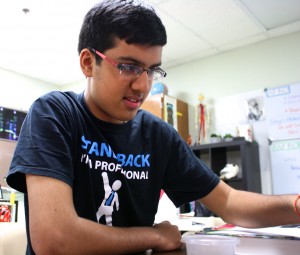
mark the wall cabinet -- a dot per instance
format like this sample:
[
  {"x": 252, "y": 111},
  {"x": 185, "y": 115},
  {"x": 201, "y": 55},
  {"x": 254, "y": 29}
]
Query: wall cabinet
[
  {"x": 161, "y": 106},
  {"x": 243, "y": 153}
]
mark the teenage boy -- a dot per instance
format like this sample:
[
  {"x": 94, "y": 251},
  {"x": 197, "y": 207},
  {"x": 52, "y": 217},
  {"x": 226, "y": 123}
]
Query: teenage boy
[{"x": 92, "y": 165}]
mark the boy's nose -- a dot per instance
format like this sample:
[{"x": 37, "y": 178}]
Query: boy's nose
[{"x": 142, "y": 83}]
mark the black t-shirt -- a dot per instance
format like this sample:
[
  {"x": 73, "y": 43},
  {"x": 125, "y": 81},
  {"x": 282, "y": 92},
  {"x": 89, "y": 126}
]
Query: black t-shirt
[{"x": 116, "y": 171}]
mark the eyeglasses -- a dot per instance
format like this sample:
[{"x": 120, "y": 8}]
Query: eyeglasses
[{"x": 132, "y": 71}]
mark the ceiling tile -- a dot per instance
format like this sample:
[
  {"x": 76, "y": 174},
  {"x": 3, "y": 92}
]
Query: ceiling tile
[
  {"x": 181, "y": 41},
  {"x": 219, "y": 22},
  {"x": 274, "y": 13}
]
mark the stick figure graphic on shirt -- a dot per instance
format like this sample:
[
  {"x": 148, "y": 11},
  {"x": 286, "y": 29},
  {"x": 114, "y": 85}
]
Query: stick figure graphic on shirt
[{"x": 110, "y": 201}]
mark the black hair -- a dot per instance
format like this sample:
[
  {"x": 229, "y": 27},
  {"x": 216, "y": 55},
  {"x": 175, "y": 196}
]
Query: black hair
[{"x": 131, "y": 20}]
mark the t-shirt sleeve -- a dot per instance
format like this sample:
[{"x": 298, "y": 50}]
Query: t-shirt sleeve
[
  {"x": 44, "y": 144},
  {"x": 187, "y": 177}
]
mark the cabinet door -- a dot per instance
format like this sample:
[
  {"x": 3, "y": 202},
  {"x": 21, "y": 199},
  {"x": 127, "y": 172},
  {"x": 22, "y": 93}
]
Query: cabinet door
[
  {"x": 155, "y": 104},
  {"x": 182, "y": 119}
]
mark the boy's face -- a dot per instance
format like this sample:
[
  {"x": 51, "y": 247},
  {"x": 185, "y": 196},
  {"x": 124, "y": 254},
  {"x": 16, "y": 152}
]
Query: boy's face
[{"x": 111, "y": 96}]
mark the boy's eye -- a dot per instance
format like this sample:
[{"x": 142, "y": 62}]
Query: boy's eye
[{"x": 130, "y": 69}]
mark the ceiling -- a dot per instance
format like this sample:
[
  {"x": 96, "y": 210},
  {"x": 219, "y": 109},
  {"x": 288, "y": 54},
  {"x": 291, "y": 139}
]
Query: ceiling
[{"x": 42, "y": 43}]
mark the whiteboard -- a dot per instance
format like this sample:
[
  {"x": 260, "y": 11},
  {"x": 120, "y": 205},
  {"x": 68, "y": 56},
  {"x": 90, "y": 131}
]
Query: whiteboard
[
  {"x": 7, "y": 148},
  {"x": 282, "y": 105},
  {"x": 285, "y": 162}
]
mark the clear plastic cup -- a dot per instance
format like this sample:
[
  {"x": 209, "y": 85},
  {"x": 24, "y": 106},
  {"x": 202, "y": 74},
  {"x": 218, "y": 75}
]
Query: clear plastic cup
[{"x": 210, "y": 244}]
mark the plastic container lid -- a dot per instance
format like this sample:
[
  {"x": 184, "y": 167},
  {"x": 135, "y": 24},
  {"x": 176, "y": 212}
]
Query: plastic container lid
[
  {"x": 210, "y": 244},
  {"x": 210, "y": 240}
]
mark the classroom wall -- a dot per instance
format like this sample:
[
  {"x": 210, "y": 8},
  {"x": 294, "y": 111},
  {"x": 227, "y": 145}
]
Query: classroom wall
[{"x": 19, "y": 91}]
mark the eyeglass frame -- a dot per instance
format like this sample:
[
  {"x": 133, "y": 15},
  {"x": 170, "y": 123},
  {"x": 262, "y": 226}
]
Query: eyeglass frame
[{"x": 120, "y": 66}]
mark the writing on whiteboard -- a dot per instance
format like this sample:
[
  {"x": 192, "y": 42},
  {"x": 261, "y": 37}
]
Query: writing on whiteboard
[
  {"x": 285, "y": 146},
  {"x": 288, "y": 151},
  {"x": 293, "y": 167},
  {"x": 283, "y": 112},
  {"x": 285, "y": 166},
  {"x": 291, "y": 125},
  {"x": 278, "y": 91}
]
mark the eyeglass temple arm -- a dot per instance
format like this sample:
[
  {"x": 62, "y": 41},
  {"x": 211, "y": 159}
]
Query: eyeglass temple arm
[{"x": 104, "y": 57}]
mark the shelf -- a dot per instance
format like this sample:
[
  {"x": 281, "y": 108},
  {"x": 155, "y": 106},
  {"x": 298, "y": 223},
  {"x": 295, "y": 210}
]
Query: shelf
[{"x": 240, "y": 152}]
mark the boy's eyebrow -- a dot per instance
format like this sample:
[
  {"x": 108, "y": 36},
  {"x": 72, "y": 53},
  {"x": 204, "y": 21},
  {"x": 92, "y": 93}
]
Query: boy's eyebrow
[{"x": 136, "y": 61}]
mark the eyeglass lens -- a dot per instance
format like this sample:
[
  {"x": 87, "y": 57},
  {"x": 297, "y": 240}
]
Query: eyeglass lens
[{"x": 131, "y": 70}]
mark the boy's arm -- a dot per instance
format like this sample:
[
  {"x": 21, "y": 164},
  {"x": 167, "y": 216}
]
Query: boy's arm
[
  {"x": 252, "y": 210},
  {"x": 55, "y": 227}
]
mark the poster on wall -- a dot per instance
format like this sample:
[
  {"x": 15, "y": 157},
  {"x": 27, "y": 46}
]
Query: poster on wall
[
  {"x": 255, "y": 109},
  {"x": 10, "y": 123},
  {"x": 170, "y": 108}
]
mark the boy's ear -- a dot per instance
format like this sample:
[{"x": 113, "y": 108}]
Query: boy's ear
[{"x": 86, "y": 59}]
